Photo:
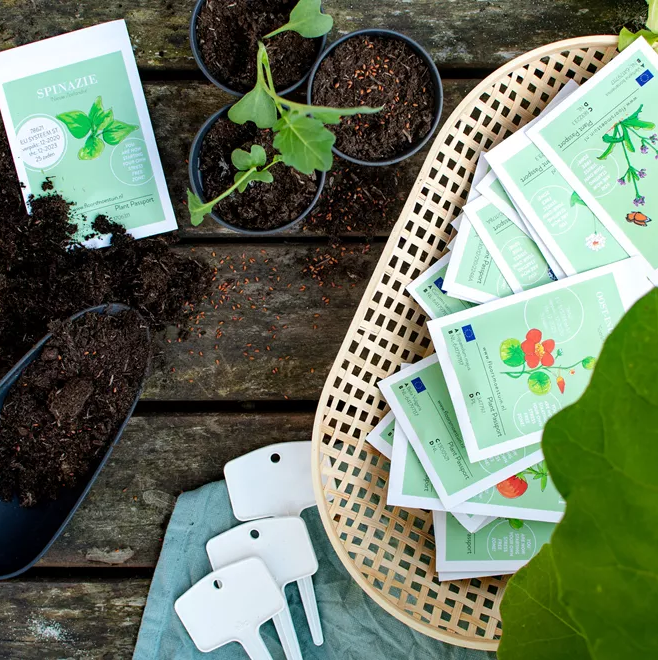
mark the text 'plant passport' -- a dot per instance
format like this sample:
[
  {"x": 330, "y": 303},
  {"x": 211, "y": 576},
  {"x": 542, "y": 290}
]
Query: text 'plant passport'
[{"x": 75, "y": 114}]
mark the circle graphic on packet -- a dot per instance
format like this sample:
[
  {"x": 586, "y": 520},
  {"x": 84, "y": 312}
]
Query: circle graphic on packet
[{"x": 41, "y": 142}]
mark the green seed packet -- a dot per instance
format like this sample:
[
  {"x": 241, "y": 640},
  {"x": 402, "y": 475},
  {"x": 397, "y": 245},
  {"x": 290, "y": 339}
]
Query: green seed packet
[
  {"x": 427, "y": 290},
  {"x": 409, "y": 485},
  {"x": 504, "y": 544},
  {"x": 513, "y": 364},
  {"x": 74, "y": 111},
  {"x": 493, "y": 190},
  {"x": 515, "y": 253},
  {"x": 420, "y": 401},
  {"x": 603, "y": 140},
  {"x": 472, "y": 272},
  {"x": 571, "y": 232}
]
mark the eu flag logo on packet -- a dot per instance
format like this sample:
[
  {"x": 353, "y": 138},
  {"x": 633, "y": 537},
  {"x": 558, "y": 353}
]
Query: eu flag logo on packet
[
  {"x": 469, "y": 335},
  {"x": 419, "y": 385},
  {"x": 644, "y": 78},
  {"x": 438, "y": 283}
]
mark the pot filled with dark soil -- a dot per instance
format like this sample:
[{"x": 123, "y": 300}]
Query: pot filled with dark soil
[
  {"x": 63, "y": 407},
  {"x": 224, "y": 38},
  {"x": 379, "y": 68},
  {"x": 263, "y": 208}
]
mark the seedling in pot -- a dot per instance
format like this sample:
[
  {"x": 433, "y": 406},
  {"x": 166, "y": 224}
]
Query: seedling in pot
[{"x": 301, "y": 137}]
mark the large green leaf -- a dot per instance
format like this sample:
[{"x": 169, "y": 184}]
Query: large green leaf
[
  {"x": 93, "y": 148},
  {"x": 257, "y": 106},
  {"x": 307, "y": 19},
  {"x": 304, "y": 143},
  {"x": 626, "y": 37},
  {"x": 117, "y": 132},
  {"x": 77, "y": 122},
  {"x": 602, "y": 454}
]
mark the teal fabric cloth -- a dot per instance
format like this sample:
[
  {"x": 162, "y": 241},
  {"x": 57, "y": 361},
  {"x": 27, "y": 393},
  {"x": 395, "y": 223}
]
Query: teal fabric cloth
[{"x": 354, "y": 626}]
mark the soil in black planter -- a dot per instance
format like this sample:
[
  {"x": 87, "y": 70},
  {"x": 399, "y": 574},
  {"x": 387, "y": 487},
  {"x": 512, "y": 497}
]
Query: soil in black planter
[
  {"x": 43, "y": 280},
  {"x": 261, "y": 206},
  {"x": 377, "y": 72},
  {"x": 228, "y": 35},
  {"x": 69, "y": 404}
]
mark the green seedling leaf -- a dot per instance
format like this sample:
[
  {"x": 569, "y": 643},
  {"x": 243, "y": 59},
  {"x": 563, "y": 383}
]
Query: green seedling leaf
[
  {"x": 304, "y": 143},
  {"x": 117, "y": 131},
  {"x": 306, "y": 19},
  {"x": 77, "y": 122},
  {"x": 264, "y": 177},
  {"x": 511, "y": 353},
  {"x": 243, "y": 160},
  {"x": 626, "y": 38},
  {"x": 93, "y": 148},
  {"x": 198, "y": 209},
  {"x": 596, "y": 599},
  {"x": 257, "y": 106}
]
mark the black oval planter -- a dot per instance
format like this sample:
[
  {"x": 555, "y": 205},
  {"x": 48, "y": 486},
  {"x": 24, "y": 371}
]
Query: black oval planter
[
  {"x": 194, "y": 44},
  {"x": 196, "y": 182},
  {"x": 28, "y": 533},
  {"x": 436, "y": 82}
]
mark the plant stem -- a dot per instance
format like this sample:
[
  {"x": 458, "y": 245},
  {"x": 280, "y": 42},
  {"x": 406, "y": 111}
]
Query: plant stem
[
  {"x": 539, "y": 368},
  {"x": 228, "y": 191},
  {"x": 268, "y": 85},
  {"x": 630, "y": 169},
  {"x": 644, "y": 140}
]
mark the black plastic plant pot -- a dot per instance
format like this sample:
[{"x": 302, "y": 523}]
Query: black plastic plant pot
[
  {"x": 28, "y": 533},
  {"x": 436, "y": 84},
  {"x": 196, "y": 182},
  {"x": 196, "y": 51}
]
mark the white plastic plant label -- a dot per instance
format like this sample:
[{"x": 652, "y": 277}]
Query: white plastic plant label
[
  {"x": 230, "y": 605},
  {"x": 271, "y": 481},
  {"x": 285, "y": 547},
  {"x": 75, "y": 112}
]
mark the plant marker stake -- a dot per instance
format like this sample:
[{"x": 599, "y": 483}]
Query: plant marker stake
[
  {"x": 230, "y": 605},
  {"x": 285, "y": 546},
  {"x": 276, "y": 481}
]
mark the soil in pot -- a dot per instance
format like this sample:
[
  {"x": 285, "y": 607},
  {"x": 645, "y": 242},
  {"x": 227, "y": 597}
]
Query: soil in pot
[
  {"x": 43, "y": 280},
  {"x": 228, "y": 35},
  {"x": 68, "y": 405},
  {"x": 377, "y": 71},
  {"x": 262, "y": 206}
]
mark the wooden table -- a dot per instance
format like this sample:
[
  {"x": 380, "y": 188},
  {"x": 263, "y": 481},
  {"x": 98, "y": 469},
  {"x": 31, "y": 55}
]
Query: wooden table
[{"x": 216, "y": 397}]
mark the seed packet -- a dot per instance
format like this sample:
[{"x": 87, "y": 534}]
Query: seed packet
[
  {"x": 427, "y": 290},
  {"x": 503, "y": 545},
  {"x": 420, "y": 401},
  {"x": 75, "y": 114},
  {"x": 603, "y": 140},
  {"x": 409, "y": 485},
  {"x": 571, "y": 232},
  {"x": 529, "y": 494},
  {"x": 515, "y": 253},
  {"x": 513, "y": 364},
  {"x": 493, "y": 190},
  {"x": 452, "y": 576},
  {"x": 472, "y": 273}
]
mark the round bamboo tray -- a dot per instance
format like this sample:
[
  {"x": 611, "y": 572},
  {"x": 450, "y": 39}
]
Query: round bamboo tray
[{"x": 389, "y": 551}]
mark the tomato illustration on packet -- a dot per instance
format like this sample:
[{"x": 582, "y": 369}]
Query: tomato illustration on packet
[{"x": 516, "y": 485}]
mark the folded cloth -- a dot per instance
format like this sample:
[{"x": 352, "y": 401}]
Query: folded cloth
[{"x": 354, "y": 625}]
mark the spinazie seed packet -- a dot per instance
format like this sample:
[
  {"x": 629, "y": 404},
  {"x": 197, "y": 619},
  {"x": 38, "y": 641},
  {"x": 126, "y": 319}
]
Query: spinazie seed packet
[
  {"x": 513, "y": 364},
  {"x": 604, "y": 141},
  {"x": 570, "y": 230},
  {"x": 420, "y": 401},
  {"x": 517, "y": 256},
  {"x": 502, "y": 545},
  {"x": 75, "y": 114}
]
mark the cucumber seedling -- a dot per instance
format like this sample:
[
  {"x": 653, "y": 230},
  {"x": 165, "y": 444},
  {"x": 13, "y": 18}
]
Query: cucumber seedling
[{"x": 301, "y": 137}]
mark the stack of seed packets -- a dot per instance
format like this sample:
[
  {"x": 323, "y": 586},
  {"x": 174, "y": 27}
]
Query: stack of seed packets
[{"x": 554, "y": 244}]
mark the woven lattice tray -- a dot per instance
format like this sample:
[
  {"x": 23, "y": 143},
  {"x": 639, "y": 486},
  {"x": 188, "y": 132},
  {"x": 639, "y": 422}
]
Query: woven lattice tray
[{"x": 389, "y": 550}]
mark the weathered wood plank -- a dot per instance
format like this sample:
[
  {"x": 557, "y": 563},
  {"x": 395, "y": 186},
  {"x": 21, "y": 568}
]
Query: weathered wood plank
[
  {"x": 67, "y": 618},
  {"x": 179, "y": 109},
  {"x": 458, "y": 33},
  {"x": 123, "y": 520},
  {"x": 275, "y": 331}
]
